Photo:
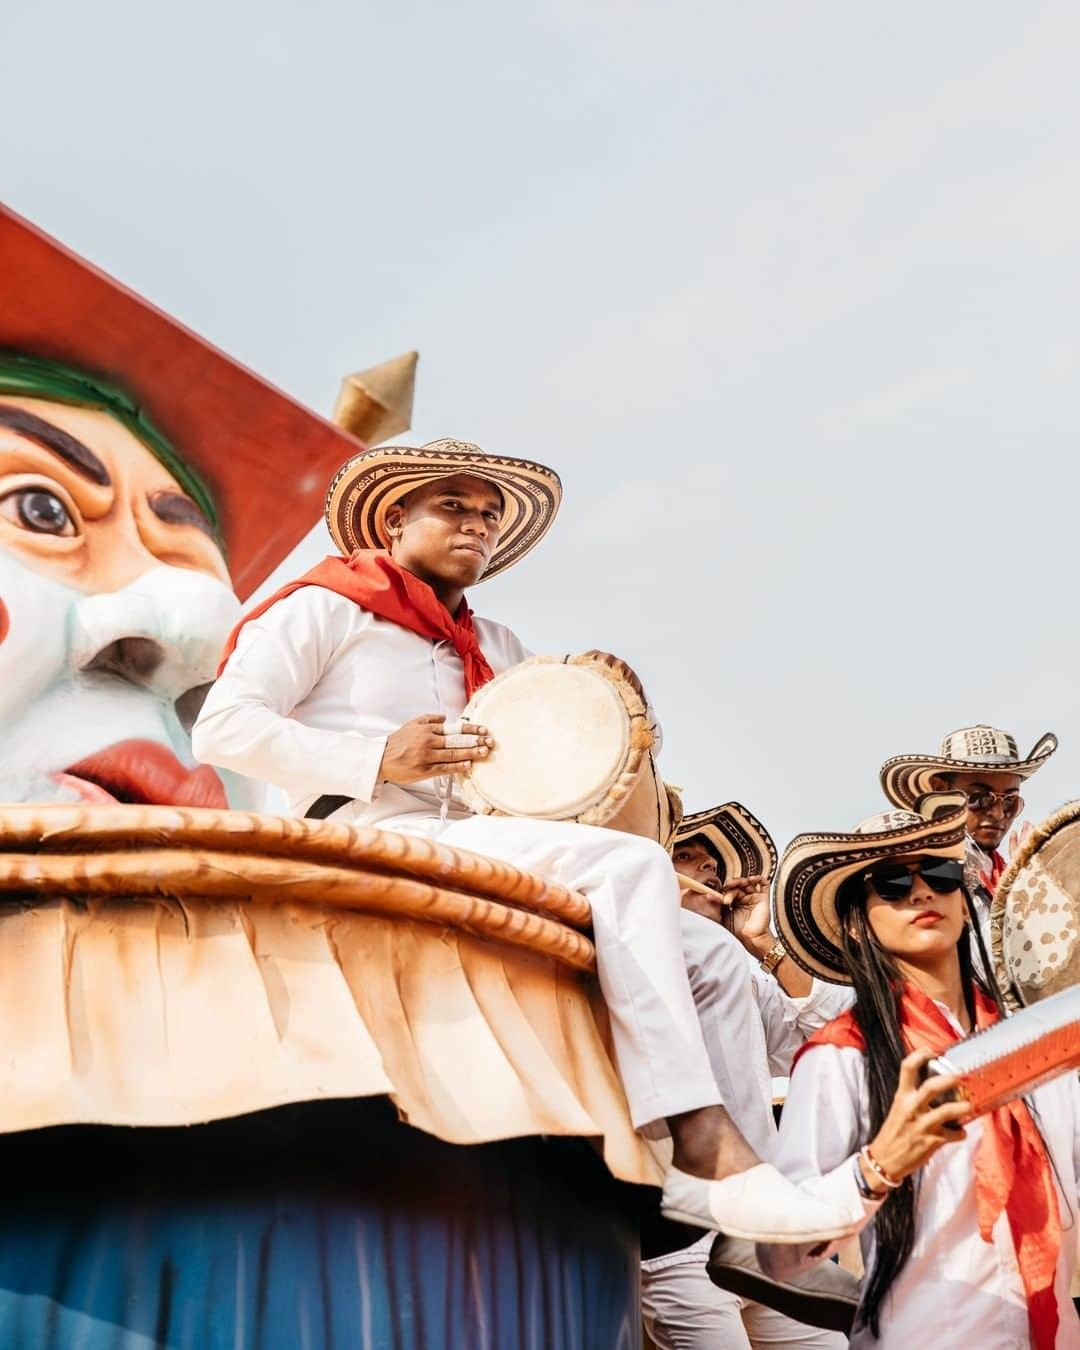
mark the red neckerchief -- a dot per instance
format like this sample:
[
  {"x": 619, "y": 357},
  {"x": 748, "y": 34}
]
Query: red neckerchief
[
  {"x": 376, "y": 583},
  {"x": 1012, "y": 1169},
  {"x": 994, "y": 872}
]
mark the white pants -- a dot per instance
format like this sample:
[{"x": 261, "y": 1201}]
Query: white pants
[
  {"x": 683, "y": 1310},
  {"x": 631, "y": 886}
]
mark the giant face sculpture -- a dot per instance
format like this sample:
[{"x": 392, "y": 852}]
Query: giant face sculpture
[
  {"x": 143, "y": 477},
  {"x": 115, "y": 602}
]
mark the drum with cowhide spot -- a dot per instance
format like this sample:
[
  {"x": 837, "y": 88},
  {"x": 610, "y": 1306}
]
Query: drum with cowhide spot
[{"x": 1035, "y": 913}]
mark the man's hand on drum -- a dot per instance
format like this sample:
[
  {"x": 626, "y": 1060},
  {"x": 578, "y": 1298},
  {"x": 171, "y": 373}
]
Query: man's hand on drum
[{"x": 423, "y": 748}]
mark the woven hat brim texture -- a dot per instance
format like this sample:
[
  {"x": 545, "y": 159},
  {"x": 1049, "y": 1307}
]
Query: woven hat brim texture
[
  {"x": 743, "y": 845},
  {"x": 815, "y": 866},
  {"x": 367, "y": 485},
  {"x": 906, "y": 778}
]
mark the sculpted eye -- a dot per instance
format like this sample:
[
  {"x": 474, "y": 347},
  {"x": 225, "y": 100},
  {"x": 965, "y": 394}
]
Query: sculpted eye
[{"x": 38, "y": 509}]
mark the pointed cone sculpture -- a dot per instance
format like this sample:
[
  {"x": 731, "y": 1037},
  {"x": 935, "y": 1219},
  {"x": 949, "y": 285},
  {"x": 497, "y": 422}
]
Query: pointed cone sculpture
[{"x": 375, "y": 404}]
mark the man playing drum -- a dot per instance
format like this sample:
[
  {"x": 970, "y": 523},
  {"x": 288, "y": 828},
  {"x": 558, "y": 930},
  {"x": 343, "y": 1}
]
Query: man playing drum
[{"x": 340, "y": 687}]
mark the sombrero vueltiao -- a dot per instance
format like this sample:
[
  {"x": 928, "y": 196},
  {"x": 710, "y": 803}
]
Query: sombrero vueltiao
[
  {"x": 742, "y": 845},
  {"x": 367, "y": 485},
  {"x": 979, "y": 749},
  {"x": 815, "y": 866}
]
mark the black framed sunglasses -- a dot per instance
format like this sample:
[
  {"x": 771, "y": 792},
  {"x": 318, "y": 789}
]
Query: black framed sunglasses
[{"x": 893, "y": 881}]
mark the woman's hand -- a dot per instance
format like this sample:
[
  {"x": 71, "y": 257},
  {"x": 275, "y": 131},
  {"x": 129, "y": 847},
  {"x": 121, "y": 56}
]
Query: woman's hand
[
  {"x": 915, "y": 1128},
  {"x": 422, "y": 749}
]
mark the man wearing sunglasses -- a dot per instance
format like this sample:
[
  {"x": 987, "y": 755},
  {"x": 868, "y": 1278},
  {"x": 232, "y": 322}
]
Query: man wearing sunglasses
[{"x": 982, "y": 762}]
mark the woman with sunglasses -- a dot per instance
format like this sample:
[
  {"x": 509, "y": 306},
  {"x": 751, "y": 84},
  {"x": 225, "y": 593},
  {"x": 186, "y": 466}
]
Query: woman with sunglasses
[{"x": 971, "y": 1233}]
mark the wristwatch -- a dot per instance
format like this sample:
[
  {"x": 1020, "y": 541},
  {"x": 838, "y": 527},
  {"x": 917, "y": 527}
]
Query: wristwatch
[{"x": 773, "y": 957}]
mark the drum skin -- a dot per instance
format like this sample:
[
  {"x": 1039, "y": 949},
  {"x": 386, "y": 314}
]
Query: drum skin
[
  {"x": 573, "y": 741},
  {"x": 324, "y": 1225}
]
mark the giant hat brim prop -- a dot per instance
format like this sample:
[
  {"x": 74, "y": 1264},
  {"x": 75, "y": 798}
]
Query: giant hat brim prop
[
  {"x": 1035, "y": 912},
  {"x": 367, "y": 485},
  {"x": 906, "y": 778},
  {"x": 815, "y": 866},
  {"x": 264, "y": 458},
  {"x": 742, "y": 845}
]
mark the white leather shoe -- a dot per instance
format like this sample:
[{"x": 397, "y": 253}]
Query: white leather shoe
[{"x": 759, "y": 1204}]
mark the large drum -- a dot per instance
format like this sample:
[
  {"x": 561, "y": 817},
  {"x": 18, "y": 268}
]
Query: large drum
[
  {"x": 573, "y": 741},
  {"x": 1035, "y": 913}
]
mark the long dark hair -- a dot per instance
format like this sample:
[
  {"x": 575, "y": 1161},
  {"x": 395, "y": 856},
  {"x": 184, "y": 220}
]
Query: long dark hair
[{"x": 877, "y": 984}]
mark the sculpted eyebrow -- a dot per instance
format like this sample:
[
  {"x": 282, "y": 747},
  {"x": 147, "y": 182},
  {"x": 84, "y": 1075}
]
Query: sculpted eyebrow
[
  {"x": 74, "y": 454},
  {"x": 176, "y": 509}
]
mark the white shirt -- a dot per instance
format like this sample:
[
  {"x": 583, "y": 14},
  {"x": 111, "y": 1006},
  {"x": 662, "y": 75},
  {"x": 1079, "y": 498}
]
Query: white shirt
[
  {"x": 314, "y": 688},
  {"x": 751, "y": 1027},
  {"x": 955, "y": 1289}
]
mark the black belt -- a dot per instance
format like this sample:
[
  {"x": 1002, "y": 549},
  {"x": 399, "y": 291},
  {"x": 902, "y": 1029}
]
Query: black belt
[{"x": 325, "y": 806}]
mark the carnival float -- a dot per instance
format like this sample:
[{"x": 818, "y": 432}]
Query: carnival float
[{"x": 267, "y": 1082}]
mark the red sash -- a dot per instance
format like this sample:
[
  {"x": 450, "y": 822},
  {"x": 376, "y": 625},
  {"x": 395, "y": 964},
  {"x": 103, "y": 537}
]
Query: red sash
[
  {"x": 1012, "y": 1169},
  {"x": 994, "y": 873},
  {"x": 376, "y": 583}
]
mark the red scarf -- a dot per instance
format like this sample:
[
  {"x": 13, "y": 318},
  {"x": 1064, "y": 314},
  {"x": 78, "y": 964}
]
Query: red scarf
[
  {"x": 1012, "y": 1169},
  {"x": 994, "y": 873},
  {"x": 376, "y": 583}
]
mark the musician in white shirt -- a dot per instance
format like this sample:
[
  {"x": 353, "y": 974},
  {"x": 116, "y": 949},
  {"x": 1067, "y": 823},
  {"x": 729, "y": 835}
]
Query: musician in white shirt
[
  {"x": 752, "y": 1028},
  {"x": 970, "y": 1234},
  {"x": 343, "y": 689}
]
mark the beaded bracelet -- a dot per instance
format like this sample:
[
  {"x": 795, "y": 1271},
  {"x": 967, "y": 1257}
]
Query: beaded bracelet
[{"x": 890, "y": 1182}]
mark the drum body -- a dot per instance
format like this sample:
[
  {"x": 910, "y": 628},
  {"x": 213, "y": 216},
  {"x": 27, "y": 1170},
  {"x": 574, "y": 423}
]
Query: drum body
[
  {"x": 653, "y": 808},
  {"x": 573, "y": 741}
]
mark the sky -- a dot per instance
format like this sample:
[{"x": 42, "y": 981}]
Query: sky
[{"x": 787, "y": 293}]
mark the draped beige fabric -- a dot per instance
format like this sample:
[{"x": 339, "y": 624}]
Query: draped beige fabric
[{"x": 165, "y": 1010}]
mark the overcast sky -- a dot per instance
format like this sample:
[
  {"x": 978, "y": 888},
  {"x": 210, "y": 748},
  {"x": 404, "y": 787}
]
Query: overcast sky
[{"x": 787, "y": 292}]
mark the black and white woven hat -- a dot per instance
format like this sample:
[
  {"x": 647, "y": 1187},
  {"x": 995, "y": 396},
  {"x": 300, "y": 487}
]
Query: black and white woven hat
[
  {"x": 742, "y": 845},
  {"x": 368, "y": 484},
  {"x": 979, "y": 749},
  {"x": 815, "y": 866}
]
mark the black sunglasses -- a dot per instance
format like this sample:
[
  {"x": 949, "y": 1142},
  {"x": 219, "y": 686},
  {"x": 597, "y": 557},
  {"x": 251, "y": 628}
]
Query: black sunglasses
[{"x": 893, "y": 881}]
